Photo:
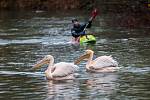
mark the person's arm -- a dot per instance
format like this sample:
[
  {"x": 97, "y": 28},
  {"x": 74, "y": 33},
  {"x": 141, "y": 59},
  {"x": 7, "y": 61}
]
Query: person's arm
[
  {"x": 75, "y": 31},
  {"x": 87, "y": 25}
]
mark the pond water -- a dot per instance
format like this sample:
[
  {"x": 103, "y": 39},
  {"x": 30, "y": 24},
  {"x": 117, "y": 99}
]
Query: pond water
[{"x": 26, "y": 37}]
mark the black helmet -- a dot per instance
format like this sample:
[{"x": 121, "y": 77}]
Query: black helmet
[{"x": 74, "y": 19}]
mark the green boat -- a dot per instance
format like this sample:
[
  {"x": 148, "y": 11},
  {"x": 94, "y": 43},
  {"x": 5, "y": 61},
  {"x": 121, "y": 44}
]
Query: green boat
[{"x": 87, "y": 39}]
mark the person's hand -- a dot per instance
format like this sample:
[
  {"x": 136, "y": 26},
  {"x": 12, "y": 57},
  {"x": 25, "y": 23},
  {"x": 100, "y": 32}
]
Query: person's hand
[{"x": 82, "y": 33}]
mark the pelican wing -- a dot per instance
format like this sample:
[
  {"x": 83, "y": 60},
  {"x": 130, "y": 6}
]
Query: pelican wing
[
  {"x": 64, "y": 69},
  {"x": 104, "y": 61}
]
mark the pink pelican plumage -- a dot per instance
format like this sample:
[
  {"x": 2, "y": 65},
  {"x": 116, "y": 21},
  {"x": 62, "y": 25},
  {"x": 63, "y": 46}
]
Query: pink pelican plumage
[
  {"x": 58, "y": 71},
  {"x": 100, "y": 64}
]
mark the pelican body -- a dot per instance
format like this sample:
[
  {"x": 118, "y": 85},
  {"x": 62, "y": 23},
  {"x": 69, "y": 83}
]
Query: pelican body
[
  {"x": 100, "y": 64},
  {"x": 58, "y": 71}
]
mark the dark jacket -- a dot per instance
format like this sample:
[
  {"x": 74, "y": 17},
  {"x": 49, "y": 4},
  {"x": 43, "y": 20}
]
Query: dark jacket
[{"x": 77, "y": 31}]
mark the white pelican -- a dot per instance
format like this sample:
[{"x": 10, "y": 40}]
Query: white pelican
[
  {"x": 100, "y": 64},
  {"x": 58, "y": 71}
]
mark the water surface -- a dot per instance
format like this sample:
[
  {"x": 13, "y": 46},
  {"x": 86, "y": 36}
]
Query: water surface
[{"x": 26, "y": 37}]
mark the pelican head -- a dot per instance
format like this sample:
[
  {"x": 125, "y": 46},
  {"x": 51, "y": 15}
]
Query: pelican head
[
  {"x": 85, "y": 56},
  {"x": 46, "y": 60}
]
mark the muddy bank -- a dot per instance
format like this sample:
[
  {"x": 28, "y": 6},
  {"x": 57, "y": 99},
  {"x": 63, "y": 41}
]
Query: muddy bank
[
  {"x": 105, "y": 6},
  {"x": 126, "y": 13},
  {"x": 44, "y": 4}
]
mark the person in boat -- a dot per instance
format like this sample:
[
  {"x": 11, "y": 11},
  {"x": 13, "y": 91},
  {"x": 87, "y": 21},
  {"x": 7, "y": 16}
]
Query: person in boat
[{"x": 78, "y": 29}]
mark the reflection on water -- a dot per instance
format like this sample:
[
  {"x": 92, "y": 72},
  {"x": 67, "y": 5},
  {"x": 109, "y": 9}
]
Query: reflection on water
[
  {"x": 82, "y": 88},
  {"x": 27, "y": 37}
]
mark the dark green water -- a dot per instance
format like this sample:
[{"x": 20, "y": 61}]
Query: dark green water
[{"x": 26, "y": 37}]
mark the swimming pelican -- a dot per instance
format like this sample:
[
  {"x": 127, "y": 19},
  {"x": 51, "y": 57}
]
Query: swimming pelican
[
  {"x": 100, "y": 64},
  {"x": 58, "y": 71}
]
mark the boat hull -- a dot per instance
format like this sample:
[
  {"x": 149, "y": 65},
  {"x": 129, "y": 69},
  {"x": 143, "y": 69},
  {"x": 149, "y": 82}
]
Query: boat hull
[{"x": 87, "y": 39}]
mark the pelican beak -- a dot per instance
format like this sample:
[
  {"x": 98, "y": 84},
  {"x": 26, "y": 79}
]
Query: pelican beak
[
  {"x": 40, "y": 63},
  {"x": 82, "y": 57}
]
